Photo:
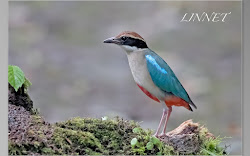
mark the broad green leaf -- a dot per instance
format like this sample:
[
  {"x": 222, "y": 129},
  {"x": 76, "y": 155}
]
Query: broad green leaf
[
  {"x": 133, "y": 141},
  {"x": 136, "y": 130},
  {"x": 150, "y": 145},
  {"x": 158, "y": 153},
  {"x": 16, "y": 77},
  {"x": 155, "y": 140}
]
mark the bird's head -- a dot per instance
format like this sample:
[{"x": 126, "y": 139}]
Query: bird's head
[{"x": 128, "y": 40}]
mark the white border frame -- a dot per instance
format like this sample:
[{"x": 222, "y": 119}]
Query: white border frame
[{"x": 245, "y": 74}]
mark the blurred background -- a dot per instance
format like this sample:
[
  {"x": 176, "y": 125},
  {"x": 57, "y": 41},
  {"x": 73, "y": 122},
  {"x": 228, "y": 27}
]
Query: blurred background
[{"x": 59, "y": 46}]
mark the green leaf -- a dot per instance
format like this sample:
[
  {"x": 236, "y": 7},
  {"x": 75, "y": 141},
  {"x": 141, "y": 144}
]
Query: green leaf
[
  {"x": 136, "y": 130},
  {"x": 208, "y": 152},
  {"x": 150, "y": 145},
  {"x": 158, "y": 153},
  {"x": 133, "y": 141},
  {"x": 155, "y": 140},
  {"x": 16, "y": 77}
]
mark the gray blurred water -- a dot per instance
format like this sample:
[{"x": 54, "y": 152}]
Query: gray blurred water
[{"x": 59, "y": 47}]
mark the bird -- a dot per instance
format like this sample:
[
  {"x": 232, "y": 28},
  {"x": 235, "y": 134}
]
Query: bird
[{"x": 153, "y": 76}]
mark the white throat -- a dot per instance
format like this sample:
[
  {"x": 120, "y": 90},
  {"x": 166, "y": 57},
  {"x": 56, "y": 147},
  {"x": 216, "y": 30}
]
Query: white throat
[{"x": 129, "y": 48}]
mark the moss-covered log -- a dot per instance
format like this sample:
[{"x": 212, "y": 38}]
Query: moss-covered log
[{"x": 30, "y": 134}]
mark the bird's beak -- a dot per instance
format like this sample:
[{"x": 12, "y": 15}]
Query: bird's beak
[{"x": 112, "y": 40}]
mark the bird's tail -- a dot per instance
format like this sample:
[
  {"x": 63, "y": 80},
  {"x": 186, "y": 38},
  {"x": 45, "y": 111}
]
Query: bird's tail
[
  {"x": 192, "y": 104},
  {"x": 176, "y": 101}
]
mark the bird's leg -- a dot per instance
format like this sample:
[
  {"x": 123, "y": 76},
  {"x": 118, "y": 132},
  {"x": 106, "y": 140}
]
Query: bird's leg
[
  {"x": 165, "y": 125},
  {"x": 162, "y": 118}
]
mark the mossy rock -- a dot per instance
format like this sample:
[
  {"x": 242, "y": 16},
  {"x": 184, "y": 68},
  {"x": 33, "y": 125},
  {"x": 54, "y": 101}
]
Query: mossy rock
[
  {"x": 91, "y": 136},
  {"x": 114, "y": 135},
  {"x": 30, "y": 134},
  {"x": 76, "y": 142},
  {"x": 20, "y": 98}
]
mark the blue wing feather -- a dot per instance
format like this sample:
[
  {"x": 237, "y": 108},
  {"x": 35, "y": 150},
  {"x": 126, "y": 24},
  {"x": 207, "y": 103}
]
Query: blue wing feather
[{"x": 163, "y": 76}]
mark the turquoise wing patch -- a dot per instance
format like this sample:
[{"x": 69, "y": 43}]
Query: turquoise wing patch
[{"x": 163, "y": 76}]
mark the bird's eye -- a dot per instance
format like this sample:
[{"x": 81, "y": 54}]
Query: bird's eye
[{"x": 124, "y": 38}]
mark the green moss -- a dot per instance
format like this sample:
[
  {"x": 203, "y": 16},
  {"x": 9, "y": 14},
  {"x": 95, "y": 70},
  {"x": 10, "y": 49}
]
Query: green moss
[
  {"x": 35, "y": 111},
  {"x": 16, "y": 149},
  {"x": 47, "y": 151},
  {"x": 210, "y": 145},
  {"x": 146, "y": 144},
  {"x": 115, "y": 135},
  {"x": 29, "y": 148},
  {"x": 80, "y": 136},
  {"x": 76, "y": 142}
]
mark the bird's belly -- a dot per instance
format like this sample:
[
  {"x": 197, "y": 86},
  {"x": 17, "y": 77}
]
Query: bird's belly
[
  {"x": 142, "y": 77},
  {"x": 144, "y": 80}
]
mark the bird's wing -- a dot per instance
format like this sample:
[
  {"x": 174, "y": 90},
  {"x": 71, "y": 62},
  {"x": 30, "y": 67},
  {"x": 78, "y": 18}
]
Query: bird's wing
[{"x": 164, "y": 78}]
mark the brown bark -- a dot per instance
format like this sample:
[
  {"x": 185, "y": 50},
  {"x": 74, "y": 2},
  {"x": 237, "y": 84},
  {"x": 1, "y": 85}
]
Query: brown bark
[{"x": 185, "y": 138}]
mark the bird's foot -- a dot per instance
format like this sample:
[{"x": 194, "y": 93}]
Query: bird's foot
[
  {"x": 156, "y": 135},
  {"x": 162, "y": 135}
]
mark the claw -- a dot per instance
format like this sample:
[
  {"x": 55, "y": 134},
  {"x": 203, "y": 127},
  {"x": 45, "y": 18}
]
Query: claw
[
  {"x": 162, "y": 135},
  {"x": 156, "y": 135},
  {"x": 159, "y": 136}
]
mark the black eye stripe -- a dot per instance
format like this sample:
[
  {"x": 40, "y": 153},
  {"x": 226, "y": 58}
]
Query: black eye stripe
[
  {"x": 123, "y": 38},
  {"x": 133, "y": 42}
]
